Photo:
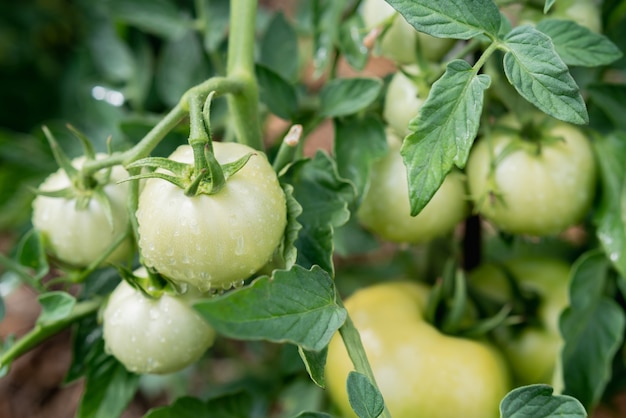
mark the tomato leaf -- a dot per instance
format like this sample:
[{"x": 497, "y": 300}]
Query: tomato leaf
[
  {"x": 280, "y": 60},
  {"x": 296, "y": 306},
  {"x": 173, "y": 79},
  {"x": 109, "y": 387},
  {"x": 86, "y": 335},
  {"x": 444, "y": 131},
  {"x": 592, "y": 328},
  {"x": 159, "y": 17},
  {"x": 610, "y": 225},
  {"x": 363, "y": 396},
  {"x": 450, "y": 18},
  {"x": 345, "y": 96},
  {"x": 313, "y": 415},
  {"x": 231, "y": 405},
  {"x": 31, "y": 254},
  {"x": 534, "y": 68},
  {"x": 277, "y": 94},
  {"x": 111, "y": 56},
  {"x": 324, "y": 197},
  {"x": 538, "y": 401},
  {"x": 315, "y": 361},
  {"x": 215, "y": 27},
  {"x": 548, "y": 5},
  {"x": 289, "y": 252},
  {"x": 358, "y": 142},
  {"x": 327, "y": 16},
  {"x": 351, "y": 35},
  {"x": 55, "y": 306},
  {"x": 578, "y": 45}
]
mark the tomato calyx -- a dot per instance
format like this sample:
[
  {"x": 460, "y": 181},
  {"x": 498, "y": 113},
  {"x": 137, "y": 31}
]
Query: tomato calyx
[
  {"x": 152, "y": 285},
  {"x": 83, "y": 187}
]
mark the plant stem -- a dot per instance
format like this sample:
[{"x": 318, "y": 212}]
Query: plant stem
[
  {"x": 240, "y": 67},
  {"x": 42, "y": 332},
  {"x": 354, "y": 346}
]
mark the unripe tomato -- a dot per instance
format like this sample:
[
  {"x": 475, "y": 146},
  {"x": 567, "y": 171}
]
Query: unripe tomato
[
  {"x": 402, "y": 102},
  {"x": 534, "y": 349},
  {"x": 156, "y": 336},
  {"x": 420, "y": 372},
  {"x": 386, "y": 211},
  {"x": 535, "y": 188},
  {"x": 79, "y": 236},
  {"x": 213, "y": 240},
  {"x": 400, "y": 42}
]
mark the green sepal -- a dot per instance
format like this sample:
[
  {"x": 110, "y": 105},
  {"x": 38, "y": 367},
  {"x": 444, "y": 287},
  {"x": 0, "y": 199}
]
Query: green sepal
[
  {"x": 151, "y": 287},
  {"x": 177, "y": 181},
  {"x": 216, "y": 176},
  {"x": 175, "y": 167},
  {"x": 483, "y": 327},
  {"x": 102, "y": 198},
  {"x": 60, "y": 157},
  {"x": 230, "y": 169},
  {"x": 88, "y": 149},
  {"x": 66, "y": 193}
]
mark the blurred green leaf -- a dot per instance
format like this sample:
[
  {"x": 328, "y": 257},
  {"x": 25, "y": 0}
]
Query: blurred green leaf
[
  {"x": 288, "y": 249},
  {"x": 297, "y": 396},
  {"x": 324, "y": 197},
  {"x": 345, "y": 96},
  {"x": 534, "y": 68},
  {"x": 227, "y": 406},
  {"x": 109, "y": 387},
  {"x": 86, "y": 334},
  {"x": 216, "y": 25},
  {"x": 182, "y": 65},
  {"x": 610, "y": 225},
  {"x": 444, "y": 130},
  {"x": 159, "y": 17},
  {"x": 55, "y": 306},
  {"x": 538, "y": 401},
  {"x": 138, "y": 87},
  {"x": 351, "y": 35},
  {"x": 296, "y": 306},
  {"x": 279, "y": 96},
  {"x": 326, "y": 19},
  {"x": 592, "y": 328},
  {"x": 358, "y": 142},
  {"x": 31, "y": 254},
  {"x": 578, "y": 45},
  {"x": 315, "y": 361},
  {"x": 111, "y": 56},
  {"x": 611, "y": 99},
  {"x": 450, "y": 18},
  {"x": 281, "y": 59},
  {"x": 364, "y": 398},
  {"x": 313, "y": 415}
]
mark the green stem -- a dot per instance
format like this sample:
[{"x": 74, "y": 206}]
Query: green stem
[
  {"x": 41, "y": 332},
  {"x": 240, "y": 67},
  {"x": 354, "y": 346}
]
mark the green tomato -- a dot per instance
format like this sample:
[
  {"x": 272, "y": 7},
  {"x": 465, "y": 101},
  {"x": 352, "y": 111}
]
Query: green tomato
[
  {"x": 401, "y": 41},
  {"x": 420, "y": 371},
  {"x": 386, "y": 211},
  {"x": 534, "y": 188},
  {"x": 154, "y": 336},
  {"x": 402, "y": 102},
  {"x": 214, "y": 240},
  {"x": 532, "y": 351},
  {"x": 79, "y": 236}
]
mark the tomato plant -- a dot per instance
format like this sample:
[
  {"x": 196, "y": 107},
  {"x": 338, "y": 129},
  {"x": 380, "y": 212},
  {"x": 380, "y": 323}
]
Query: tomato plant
[
  {"x": 402, "y": 348},
  {"x": 385, "y": 208},
  {"x": 265, "y": 161},
  {"x": 160, "y": 334},
  {"x": 533, "y": 347},
  {"x": 557, "y": 186}
]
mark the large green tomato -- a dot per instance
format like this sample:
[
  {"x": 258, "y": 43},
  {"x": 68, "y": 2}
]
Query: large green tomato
[
  {"x": 155, "y": 336},
  {"x": 402, "y": 102},
  {"x": 533, "y": 350},
  {"x": 386, "y": 211},
  {"x": 80, "y": 235},
  {"x": 529, "y": 187},
  {"x": 213, "y": 241},
  {"x": 401, "y": 40},
  {"x": 421, "y": 372}
]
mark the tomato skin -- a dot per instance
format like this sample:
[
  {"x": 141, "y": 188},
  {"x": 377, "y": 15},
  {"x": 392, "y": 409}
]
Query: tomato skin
[
  {"x": 75, "y": 236},
  {"x": 400, "y": 41},
  {"x": 402, "y": 103},
  {"x": 154, "y": 336},
  {"x": 540, "y": 193},
  {"x": 213, "y": 240},
  {"x": 420, "y": 372},
  {"x": 385, "y": 209},
  {"x": 532, "y": 352}
]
